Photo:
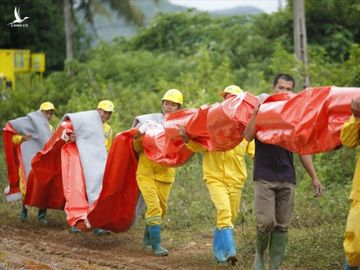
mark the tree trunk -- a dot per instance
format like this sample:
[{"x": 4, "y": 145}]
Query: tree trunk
[
  {"x": 68, "y": 32},
  {"x": 300, "y": 40}
]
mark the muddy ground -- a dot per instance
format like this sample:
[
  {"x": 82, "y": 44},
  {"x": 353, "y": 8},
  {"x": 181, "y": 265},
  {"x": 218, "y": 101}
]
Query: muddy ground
[{"x": 32, "y": 246}]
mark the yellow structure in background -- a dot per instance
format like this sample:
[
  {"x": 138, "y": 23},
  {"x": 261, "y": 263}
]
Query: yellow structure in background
[
  {"x": 38, "y": 62},
  {"x": 19, "y": 61}
]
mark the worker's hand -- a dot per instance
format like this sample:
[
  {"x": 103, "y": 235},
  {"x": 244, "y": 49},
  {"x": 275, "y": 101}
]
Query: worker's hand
[
  {"x": 318, "y": 187},
  {"x": 261, "y": 98},
  {"x": 255, "y": 110},
  {"x": 183, "y": 134},
  {"x": 72, "y": 137},
  {"x": 148, "y": 124},
  {"x": 68, "y": 137},
  {"x": 26, "y": 137},
  {"x": 355, "y": 107},
  {"x": 64, "y": 136}
]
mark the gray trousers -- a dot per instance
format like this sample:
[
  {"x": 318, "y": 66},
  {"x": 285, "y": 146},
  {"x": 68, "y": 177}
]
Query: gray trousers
[{"x": 274, "y": 205}]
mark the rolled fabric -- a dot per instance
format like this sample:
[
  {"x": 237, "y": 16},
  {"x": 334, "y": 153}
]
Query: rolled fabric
[{"x": 308, "y": 122}]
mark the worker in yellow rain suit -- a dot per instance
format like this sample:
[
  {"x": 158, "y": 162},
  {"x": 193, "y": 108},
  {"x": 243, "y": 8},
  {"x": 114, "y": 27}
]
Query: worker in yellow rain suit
[
  {"x": 350, "y": 137},
  {"x": 47, "y": 110},
  {"x": 225, "y": 175},
  {"x": 105, "y": 108},
  {"x": 155, "y": 180}
]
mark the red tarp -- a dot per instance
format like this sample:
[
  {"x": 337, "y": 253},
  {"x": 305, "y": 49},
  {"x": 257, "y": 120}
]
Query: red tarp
[
  {"x": 13, "y": 162},
  {"x": 45, "y": 186},
  {"x": 115, "y": 208},
  {"x": 167, "y": 150},
  {"x": 56, "y": 179},
  {"x": 218, "y": 127},
  {"x": 194, "y": 121},
  {"x": 308, "y": 122},
  {"x": 228, "y": 120},
  {"x": 73, "y": 180}
]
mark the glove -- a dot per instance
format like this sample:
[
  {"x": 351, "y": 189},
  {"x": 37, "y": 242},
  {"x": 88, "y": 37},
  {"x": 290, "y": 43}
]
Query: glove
[
  {"x": 64, "y": 136},
  {"x": 147, "y": 125},
  {"x": 262, "y": 97}
]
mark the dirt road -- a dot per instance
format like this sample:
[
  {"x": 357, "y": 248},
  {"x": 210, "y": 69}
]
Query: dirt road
[{"x": 31, "y": 246}]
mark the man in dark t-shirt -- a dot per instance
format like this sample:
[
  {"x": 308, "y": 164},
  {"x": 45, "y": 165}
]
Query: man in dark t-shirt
[{"x": 274, "y": 183}]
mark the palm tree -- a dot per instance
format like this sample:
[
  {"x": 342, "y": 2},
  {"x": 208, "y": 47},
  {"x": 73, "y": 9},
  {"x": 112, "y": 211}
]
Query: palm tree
[{"x": 124, "y": 8}]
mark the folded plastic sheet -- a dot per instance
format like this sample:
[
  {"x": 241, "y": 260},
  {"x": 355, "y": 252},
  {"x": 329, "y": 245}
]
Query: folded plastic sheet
[
  {"x": 218, "y": 127},
  {"x": 166, "y": 152},
  {"x": 57, "y": 181},
  {"x": 77, "y": 206},
  {"x": 57, "y": 178},
  {"x": 13, "y": 161},
  {"x": 115, "y": 209},
  {"x": 227, "y": 121},
  {"x": 308, "y": 122},
  {"x": 36, "y": 125},
  {"x": 193, "y": 120},
  {"x": 45, "y": 185}
]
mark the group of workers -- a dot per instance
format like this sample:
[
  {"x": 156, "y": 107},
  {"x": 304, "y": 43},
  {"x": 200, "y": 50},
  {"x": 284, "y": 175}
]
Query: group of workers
[{"x": 224, "y": 173}]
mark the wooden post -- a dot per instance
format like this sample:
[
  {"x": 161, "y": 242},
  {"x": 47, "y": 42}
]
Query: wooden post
[
  {"x": 300, "y": 40},
  {"x": 68, "y": 31}
]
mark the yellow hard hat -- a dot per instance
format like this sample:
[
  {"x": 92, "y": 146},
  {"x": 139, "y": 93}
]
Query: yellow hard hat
[
  {"x": 47, "y": 106},
  {"x": 231, "y": 89},
  {"x": 106, "y": 105},
  {"x": 173, "y": 95}
]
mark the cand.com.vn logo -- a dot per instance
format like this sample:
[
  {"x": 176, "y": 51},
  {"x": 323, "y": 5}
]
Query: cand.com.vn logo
[{"x": 18, "y": 22}]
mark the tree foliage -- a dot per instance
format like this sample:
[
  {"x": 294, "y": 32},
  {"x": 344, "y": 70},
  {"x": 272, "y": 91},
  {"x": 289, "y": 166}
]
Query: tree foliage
[{"x": 45, "y": 15}]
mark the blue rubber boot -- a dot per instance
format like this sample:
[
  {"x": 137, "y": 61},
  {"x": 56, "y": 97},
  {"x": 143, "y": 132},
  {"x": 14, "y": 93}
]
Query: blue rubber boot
[
  {"x": 23, "y": 213},
  {"x": 74, "y": 229},
  {"x": 158, "y": 250},
  {"x": 227, "y": 237},
  {"x": 147, "y": 237},
  {"x": 99, "y": 231},
  {"x": 348, "y": 267},
  {"x": 42, "y": 216},
  {"x": 219, "y": 252}
]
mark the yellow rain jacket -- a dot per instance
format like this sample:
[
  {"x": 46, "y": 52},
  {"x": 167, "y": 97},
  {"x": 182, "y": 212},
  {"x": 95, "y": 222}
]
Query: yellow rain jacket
[
  {"x": 225, "y": 174},
  {"x": 228, "y": 167},
  {"x": 350, "y": 137},
  {"x": 149, "y": 168},
  {"x": 154, "y": 181},
  {"x": 109, "y": 136}
]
